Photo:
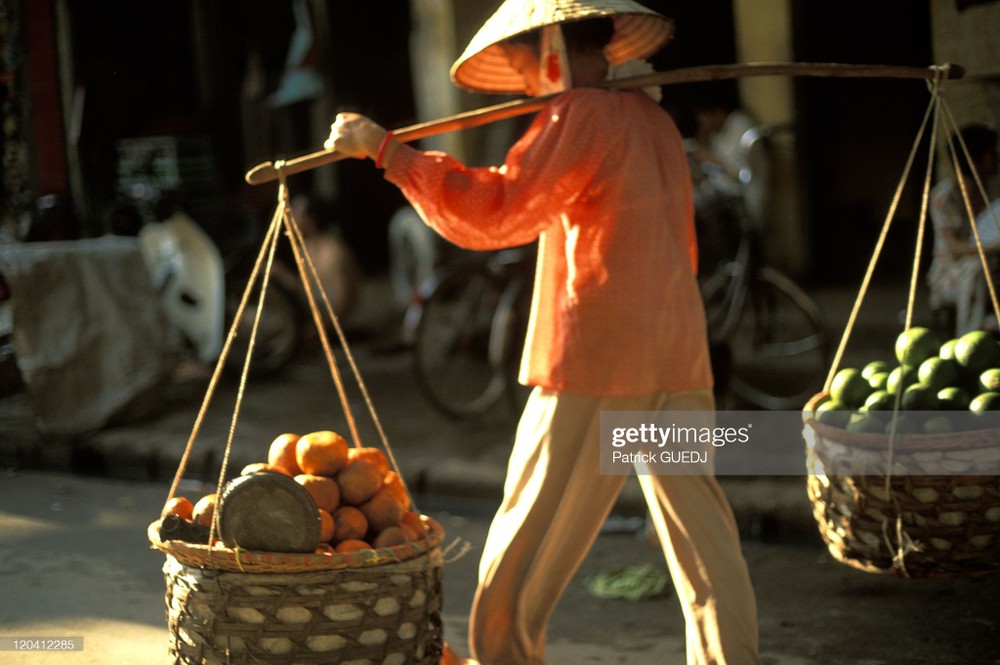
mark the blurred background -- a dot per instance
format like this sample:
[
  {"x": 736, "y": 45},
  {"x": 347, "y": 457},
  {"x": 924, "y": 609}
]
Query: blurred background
[{"x": 96, "y": 96}]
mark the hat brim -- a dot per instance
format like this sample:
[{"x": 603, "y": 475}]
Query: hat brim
[{"x": 484, "y": 67}]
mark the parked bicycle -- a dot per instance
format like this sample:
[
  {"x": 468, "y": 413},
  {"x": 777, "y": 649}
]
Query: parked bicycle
[
  {"x": 770, "y": 346},
  {"x": 467, "y": 327}
]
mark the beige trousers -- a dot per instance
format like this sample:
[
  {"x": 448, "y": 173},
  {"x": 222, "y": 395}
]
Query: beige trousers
[{"x": 555, "y": 503}]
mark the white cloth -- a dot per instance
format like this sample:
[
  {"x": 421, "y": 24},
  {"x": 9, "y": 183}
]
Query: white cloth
[
  {"x": 89, "y": 337},
  {"x": 957, "y": 281},
  {"x": 988, "y": 224}
]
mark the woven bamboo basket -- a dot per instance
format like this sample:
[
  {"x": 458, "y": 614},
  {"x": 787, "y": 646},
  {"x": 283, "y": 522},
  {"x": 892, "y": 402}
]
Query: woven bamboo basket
[
  {"x": 930, "y": 517},
  {"x": 374, "y": 607}
]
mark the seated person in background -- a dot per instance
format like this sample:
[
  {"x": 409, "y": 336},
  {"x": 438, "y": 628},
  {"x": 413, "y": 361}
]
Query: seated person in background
[
  {"x": 958, "y": 295},
  {"x": 729, "y": 172}
]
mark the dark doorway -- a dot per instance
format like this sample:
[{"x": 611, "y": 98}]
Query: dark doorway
[{"x": 856, "y": 134}]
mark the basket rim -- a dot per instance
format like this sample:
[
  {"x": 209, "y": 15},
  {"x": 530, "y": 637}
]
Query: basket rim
[
  {"x": 230, "y": 560},
  {"x": 965, "y": 438}
]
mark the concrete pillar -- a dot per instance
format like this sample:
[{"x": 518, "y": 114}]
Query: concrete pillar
[
  {"x": 433, "y": 48},
  {"x": 764, "y": 34}
]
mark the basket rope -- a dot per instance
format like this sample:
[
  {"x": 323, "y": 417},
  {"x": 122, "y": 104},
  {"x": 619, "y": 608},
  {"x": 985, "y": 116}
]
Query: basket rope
[
  {"x": 936, "y": 112},
  {"x": 284, "y": 219}
]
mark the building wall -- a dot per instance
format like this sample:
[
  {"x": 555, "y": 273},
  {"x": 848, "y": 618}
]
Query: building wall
[{"x": 970, "y": 37}]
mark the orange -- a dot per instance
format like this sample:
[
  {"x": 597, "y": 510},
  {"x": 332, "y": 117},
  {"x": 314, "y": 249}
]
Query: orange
[
  {"x": 411, "y": 524},
  {"x": 390, "y": 536},
  {"x": 323, "y": 490},
  {"x": 204, "y": 510},
  {"x": 358, "y": 481},
  {"x": 180, "y": 506},
  {"x": 281, "y": 453},
  {"x": 394, "y": 484},
  {"x": 324, "y": 548},
  {"x": 373, "y": 455},
  {"x": 325, "y": 525},
  {"x": 321, "y": 453},
  {"x": 258, "y": 467},
  {"x": 383, "y": 510},
  {"x": 353, "y": 545},
  {"x": 349, "y": 523}
]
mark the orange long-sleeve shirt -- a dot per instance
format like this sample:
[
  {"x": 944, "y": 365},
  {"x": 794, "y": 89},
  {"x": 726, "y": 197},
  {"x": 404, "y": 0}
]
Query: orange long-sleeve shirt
[{"x": 601, "y": 180}]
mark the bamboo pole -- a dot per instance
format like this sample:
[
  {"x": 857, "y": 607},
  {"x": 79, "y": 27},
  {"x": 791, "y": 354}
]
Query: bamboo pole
[{"x": 268, "y": 171}]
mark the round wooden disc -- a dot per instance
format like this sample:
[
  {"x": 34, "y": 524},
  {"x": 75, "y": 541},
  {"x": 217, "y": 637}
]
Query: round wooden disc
[{"x": 268, "y": 512}]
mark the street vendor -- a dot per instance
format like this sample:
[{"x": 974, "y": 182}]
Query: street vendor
[{"x": 601, "y": 180}]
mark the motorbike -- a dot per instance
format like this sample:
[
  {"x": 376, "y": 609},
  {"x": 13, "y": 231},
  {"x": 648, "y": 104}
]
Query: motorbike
[{"x": 200, "y": 288}]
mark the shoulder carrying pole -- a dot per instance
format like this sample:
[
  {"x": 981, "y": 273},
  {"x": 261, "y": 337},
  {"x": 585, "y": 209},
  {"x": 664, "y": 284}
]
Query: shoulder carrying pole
[{"x": 268, "y": 171}]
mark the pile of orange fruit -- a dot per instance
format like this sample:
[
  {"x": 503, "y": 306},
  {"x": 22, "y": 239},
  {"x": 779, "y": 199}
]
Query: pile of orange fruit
[{"x": 361, "y": 503}]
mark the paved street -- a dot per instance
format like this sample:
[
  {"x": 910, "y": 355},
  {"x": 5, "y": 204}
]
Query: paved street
[{"x": 75, "y": 562}]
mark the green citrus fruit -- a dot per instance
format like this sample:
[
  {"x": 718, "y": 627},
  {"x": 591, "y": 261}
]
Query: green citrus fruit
[
  {"x": 920, "y": 397},
  {"x": 866, "y": 422},
  {"x": 879, "y": 380},
  {"x": 938, "y": 425},
  {"x": 989, "y": 401},
  {"x": 833, "y": 413},
  {"x": 874, "y": 367},
  {"x": 989, "y": 380},
  {"x": 977, "y": 352},
  {"x": 948, "y": 349},
  {"x": 916, "y": 345},
  {"x": 901, "y": 378},
  {"x": 850, "y": 388},
  {"x": 938, "y": 372},
  {"x": 904, "y": 424},
  {"x": 953, "y": 398},
  {"x": 880, "y": 400}
]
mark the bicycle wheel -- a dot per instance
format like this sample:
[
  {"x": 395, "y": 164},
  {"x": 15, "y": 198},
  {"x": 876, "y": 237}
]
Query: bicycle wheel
[
  {"x": 451, "y": 345},
  {"x": 778, "y": 346},
  {"x": 413, "y": 254}
]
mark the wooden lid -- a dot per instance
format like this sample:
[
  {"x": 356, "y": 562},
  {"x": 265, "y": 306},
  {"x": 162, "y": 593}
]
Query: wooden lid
[{"x": 268, "y": 512}]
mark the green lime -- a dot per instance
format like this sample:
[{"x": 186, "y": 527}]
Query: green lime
[
  {"x": 833, "y": 413},
  {"x": 977, "y": 352},
  {"x": 948, "y": 349},
  {"x": 879, "y": 380},
  {"x": 880, "y": 400},
  {"x": 874, "y": 367},
  {"x": 989, "y": 401},
  {"x": 850, "y": 388},
  {"x": 916, "y": 345},
  {"x": 904, "y": 424},
  {"x": 901, "y": 378},
  {"x": 866, "y": 422},
  {"x": 953, "y": 398},
  {"x": 938, "y": 372},
  {"x": 938, "y": 425},
  {"x": 989, "y": 380},
  {"x": 920, "y": 397}
]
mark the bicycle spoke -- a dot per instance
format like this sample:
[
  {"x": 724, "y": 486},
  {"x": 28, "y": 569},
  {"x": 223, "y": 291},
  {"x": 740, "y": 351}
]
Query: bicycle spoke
[
  {"x": 779, "y": 347},
  {"x": 451, "y": 350}
]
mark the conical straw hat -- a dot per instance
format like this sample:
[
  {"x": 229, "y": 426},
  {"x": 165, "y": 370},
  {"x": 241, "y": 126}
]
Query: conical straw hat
[{"x": 483, "y": 67}]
